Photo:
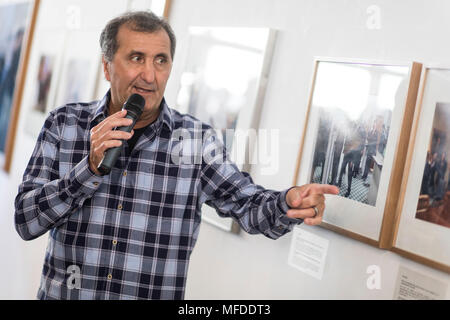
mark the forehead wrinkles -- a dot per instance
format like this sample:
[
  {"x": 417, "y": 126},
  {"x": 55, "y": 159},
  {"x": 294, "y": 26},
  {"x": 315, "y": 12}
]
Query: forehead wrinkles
[{"x": 160, "y": 40}]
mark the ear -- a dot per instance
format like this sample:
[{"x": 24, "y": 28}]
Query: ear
[{"x": 106, "y": 69}]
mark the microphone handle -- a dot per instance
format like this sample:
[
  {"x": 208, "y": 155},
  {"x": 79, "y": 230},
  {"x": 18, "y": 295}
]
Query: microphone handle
[{"x": 112, "y": 154}]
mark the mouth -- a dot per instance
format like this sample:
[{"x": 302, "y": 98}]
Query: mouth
[{"x": 141, "y": 90}]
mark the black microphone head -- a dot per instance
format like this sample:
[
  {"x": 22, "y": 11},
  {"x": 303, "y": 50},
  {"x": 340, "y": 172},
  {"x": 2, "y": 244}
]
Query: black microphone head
[{"x": 135, "y": 104}]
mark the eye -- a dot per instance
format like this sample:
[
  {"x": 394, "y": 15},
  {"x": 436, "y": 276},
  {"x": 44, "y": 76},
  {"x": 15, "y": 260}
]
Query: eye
[
  {"x": 160, "y": 60},
  {"x": 136, "y": 58}
]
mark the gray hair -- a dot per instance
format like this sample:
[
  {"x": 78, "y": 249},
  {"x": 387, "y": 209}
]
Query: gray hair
[{"x": 141, "y": 21}]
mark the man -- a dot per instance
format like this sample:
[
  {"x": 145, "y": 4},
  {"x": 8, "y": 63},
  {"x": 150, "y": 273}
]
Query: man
[
  {"x": 432, "y": 185},
  {"x": 129, "y": 234},
  {"x": 441, "y": 172},
  {"x": 321, "y": 147},
  {"x": 337, "y": 151},
  {"x": 424, "y": 189},
  {"x": 371, "y": 150},
  {"x": 353, "y": 148}
]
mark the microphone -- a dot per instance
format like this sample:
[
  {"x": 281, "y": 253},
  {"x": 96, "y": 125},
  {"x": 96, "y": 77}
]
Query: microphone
[{"x": 134, "y": 106}]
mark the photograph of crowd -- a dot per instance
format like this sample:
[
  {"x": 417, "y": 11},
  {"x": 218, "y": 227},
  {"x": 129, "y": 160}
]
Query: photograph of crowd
[
  {"x": 354, "y": 104},
  {"x": 434, "y": 200},
  {"x": 348, "y": 153}
]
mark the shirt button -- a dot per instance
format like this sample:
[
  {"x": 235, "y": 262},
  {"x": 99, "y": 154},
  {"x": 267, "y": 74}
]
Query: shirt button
[
  {"x": 95, "y": 183},
  {"x": 119, "y": 207},
  {"x": 114, "y": 242},
  {"x": 125, "y": 174},
  {"x": 109, "y": 276}
]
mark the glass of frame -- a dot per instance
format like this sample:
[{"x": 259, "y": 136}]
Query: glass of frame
[
  {"x": 210, "y": 91},
  {"x": 358, "y": 120},
  {"x": 423, "y": 213},
  {"x": 17, "y": 20}
]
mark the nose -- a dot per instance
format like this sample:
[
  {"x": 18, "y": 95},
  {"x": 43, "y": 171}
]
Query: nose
[{"x": 148, "y": 73}]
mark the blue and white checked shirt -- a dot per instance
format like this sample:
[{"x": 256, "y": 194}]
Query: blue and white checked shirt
[{"x": 130, "y": 234}]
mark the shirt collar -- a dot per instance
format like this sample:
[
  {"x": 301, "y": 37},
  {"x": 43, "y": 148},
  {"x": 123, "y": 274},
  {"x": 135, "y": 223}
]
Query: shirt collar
[
  {"x": 165, "y": 116},
  {"x": 101, "y": 108}
]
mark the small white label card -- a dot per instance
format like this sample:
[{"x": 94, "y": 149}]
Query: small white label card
[
  {"x": 412, "y": 285},
  {"x": 308, "y": 252}
]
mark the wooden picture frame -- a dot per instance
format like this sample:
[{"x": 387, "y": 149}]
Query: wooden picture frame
[
  {"x": 20, "y": 85},
  {"x": 167, "y": 8},
  {"x": 354, "y": 85},
  {"x": 422, "y": 220}
]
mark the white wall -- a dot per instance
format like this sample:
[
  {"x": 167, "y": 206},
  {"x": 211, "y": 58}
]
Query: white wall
[{"x": 241, "y": 266}]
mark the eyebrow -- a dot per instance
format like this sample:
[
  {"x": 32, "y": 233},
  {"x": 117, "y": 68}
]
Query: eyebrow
[
  {"x": 134, "y": 52},
  {"x": 140, "y": 53}
]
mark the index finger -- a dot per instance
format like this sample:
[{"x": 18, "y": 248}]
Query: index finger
[
  {"x": 105, "y": 122},
  {"x": 119, "y": 114},
  {"x": 321, "y": 189}
]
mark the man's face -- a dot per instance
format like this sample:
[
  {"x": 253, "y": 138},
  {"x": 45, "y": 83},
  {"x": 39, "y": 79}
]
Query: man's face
[{"x": 142, "y": 65}]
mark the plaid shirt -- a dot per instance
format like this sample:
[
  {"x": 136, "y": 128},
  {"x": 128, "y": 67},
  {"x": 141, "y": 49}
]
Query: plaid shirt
[{"x": 129, "y": 234}]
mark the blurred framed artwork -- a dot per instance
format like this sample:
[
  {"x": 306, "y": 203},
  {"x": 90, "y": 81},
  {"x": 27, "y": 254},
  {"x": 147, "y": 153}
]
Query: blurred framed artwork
[
  {"x": 42, "y": 87},
  {"x": 211, "y": 91},
  {"x": 16, "y": 20},
  {"x": 63, "y": 65},
  {"x": 46, "y": 70},
  {"x": 73, "y": 86},
  {"x": 423, "y": 213},
  {"x": 355, "y": 136},
  {"x": 78, "y": 69}
]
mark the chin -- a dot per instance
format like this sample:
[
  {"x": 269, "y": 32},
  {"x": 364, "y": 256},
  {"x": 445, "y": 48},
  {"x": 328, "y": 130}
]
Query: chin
[{"x": 151, "y": 107}]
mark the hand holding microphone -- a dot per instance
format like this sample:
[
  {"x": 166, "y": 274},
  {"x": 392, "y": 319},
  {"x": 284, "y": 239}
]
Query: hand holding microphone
[{"x": 107, "y": 136}]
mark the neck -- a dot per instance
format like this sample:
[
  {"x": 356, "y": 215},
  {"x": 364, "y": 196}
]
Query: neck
[{"x": 147, "y": 118}]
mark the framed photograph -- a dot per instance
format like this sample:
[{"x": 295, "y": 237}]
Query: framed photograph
[
  {"x": 46, "y": 70},
  {"x": 211, "y": 92},
  {"x": 358, "y": 120},
  {"x": 16, "y": 17},
  {"x": 78, "y": 68},
  {"x": 73, "y": 86},
  {"x": 43, "y": 84},
  {"x": 423, "y": 213},
  {"x": 64, "y": 62}
]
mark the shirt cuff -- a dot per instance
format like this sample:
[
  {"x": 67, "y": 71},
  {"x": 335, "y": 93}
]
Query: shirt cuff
[
  {"x": 283, "y": 207},
  {"x": 82, "y": 180}
]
